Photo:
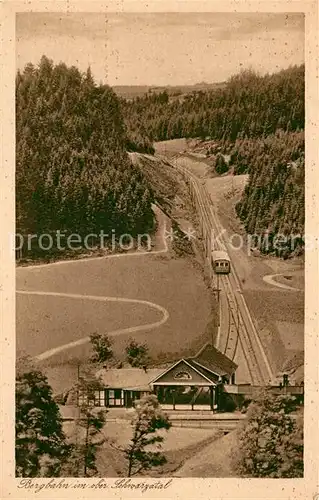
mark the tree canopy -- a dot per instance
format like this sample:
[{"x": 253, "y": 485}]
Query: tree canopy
[
  {"x": 148, "y": 419},
  {"x": 41, "y": 447},
  {"x": 248, "y": 105},
  {"x": 72, "y": 170},
  {"x": 102, "y": 348},
  {"x": 258, "y": 122},
  {"x": 271, "y": 442},
  {"x": 136, "y": 354},
  {"x": 273, "y": 202},
  {"x": 89, "y": 425}
]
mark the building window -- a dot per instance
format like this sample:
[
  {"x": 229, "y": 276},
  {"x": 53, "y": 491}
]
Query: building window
[
  {"x": 182, "y": 375},
  {"x": 99, "y": 398},
  {"x": 116, "y": 397},
  {"x": 83, "y": 400}
]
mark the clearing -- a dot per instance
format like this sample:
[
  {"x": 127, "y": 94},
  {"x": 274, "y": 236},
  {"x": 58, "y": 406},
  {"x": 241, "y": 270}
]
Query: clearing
[
  {"x": 179, "y": 445},
  {"x": 218, "y": 459}
]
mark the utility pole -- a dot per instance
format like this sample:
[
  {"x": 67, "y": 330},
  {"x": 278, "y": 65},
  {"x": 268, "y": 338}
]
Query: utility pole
[
  {"x": 78, "y": 406},
  {"x": 209, "y": 255},
  {"x": 237, "y": 328},
  {"x": 217, "y": 289}
]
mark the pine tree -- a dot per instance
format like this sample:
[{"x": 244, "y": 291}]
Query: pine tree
[
  {"x": 89, "y": 425},
  {"x": 148, "y": 419},
  {"x": 41, "y": 447},
  {"x": 271, "y": 442}
]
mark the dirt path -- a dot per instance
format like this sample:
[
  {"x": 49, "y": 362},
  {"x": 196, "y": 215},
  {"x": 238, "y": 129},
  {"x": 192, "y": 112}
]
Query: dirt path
[
  {"x": 60, "y": 306},
  {"x": 217, "y": 462},
  {"x": 159, "y": 242},
  {"x": 270, "y": 279},
  {"x": 148, "y": 326}
]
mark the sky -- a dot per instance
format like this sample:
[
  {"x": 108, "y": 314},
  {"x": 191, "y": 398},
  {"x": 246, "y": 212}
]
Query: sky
[{"x": 162, "y": 48}]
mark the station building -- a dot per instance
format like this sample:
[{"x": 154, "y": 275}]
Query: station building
[{"x": 188, "y": 384}]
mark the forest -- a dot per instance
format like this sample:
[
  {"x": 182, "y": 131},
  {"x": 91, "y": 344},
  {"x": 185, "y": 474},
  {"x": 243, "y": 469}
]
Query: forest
[
  {"x": 273, "y": 201},
  {"x": 73, "y": 173},
  {"x": 253, "y": 124},
  {"x": 248, "y": 105}
]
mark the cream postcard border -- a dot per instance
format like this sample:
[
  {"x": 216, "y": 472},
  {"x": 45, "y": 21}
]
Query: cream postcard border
[{"x": 306, "y": 488}]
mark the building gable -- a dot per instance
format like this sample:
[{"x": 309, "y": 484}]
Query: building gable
[
  {"x": 215, "y": 361},
  {"x": 182, "y": 373},
  {"x": 204, "y": 371}
]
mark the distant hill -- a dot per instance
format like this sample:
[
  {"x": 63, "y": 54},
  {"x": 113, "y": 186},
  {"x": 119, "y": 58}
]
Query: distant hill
[
  {"x": 133, "y": 91},
  {"x": 247, "y": 105}
]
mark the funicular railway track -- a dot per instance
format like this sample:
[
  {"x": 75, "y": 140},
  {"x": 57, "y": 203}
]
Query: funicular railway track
[
  {"x": 232, "y": 338},
  {"x": 240, "y": 329},
  {"x": 239, "y": 333}
]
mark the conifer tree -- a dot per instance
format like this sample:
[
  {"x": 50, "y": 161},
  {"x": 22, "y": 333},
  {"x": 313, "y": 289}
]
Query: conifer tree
[
  {"x": 72, "y": 167},
  {"x": 41, "y": 447}
]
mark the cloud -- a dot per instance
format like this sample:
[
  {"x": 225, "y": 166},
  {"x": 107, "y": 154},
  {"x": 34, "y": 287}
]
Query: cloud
[
  {"x": 162, "y": 48},
  {"x": 38, "y": 24},
  {"x": 243, "y": 26},
  {"x": 233, "y": 24},
  {"x": 222, "y": 25}
]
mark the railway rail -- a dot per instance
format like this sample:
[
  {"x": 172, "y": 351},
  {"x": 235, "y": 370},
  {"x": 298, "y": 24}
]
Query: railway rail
[{"x": 241, "y": 329}]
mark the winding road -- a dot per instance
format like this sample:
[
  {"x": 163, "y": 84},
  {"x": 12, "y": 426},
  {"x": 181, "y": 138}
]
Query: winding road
[
  {"x": 148, "y": 326},
  {"x": 84, "y": 340},
  {"x": 270, "y": 279},
  {"x": 162, "y": 230}
]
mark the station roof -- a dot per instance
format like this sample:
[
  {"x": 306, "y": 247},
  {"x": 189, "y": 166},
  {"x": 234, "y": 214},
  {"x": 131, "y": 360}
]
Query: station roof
[
  {"x": 209, "y": 362},
  {"x": 133, "y": 379},
  {"x": 212, "y": 359}
]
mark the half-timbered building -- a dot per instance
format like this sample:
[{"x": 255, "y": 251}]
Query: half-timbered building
[{"x": 188, "y": 384}]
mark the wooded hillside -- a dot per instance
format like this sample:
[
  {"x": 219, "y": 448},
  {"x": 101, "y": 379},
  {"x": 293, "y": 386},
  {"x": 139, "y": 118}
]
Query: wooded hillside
[
  {"x": 248, "y": 105},
  {"x": 253, "y": 124},
  {"x": 274, "y": 198},
  {"x": 73, "y": 173},
  {"x": 72, "y": 169}
]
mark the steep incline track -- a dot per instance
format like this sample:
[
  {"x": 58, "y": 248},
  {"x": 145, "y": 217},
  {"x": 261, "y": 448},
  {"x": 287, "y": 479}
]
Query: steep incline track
[{"x": 241, "y": 328}]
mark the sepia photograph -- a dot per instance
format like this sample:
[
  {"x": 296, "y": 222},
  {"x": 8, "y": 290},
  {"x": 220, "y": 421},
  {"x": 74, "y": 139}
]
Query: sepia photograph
[{"x": 159, "y": 245}]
